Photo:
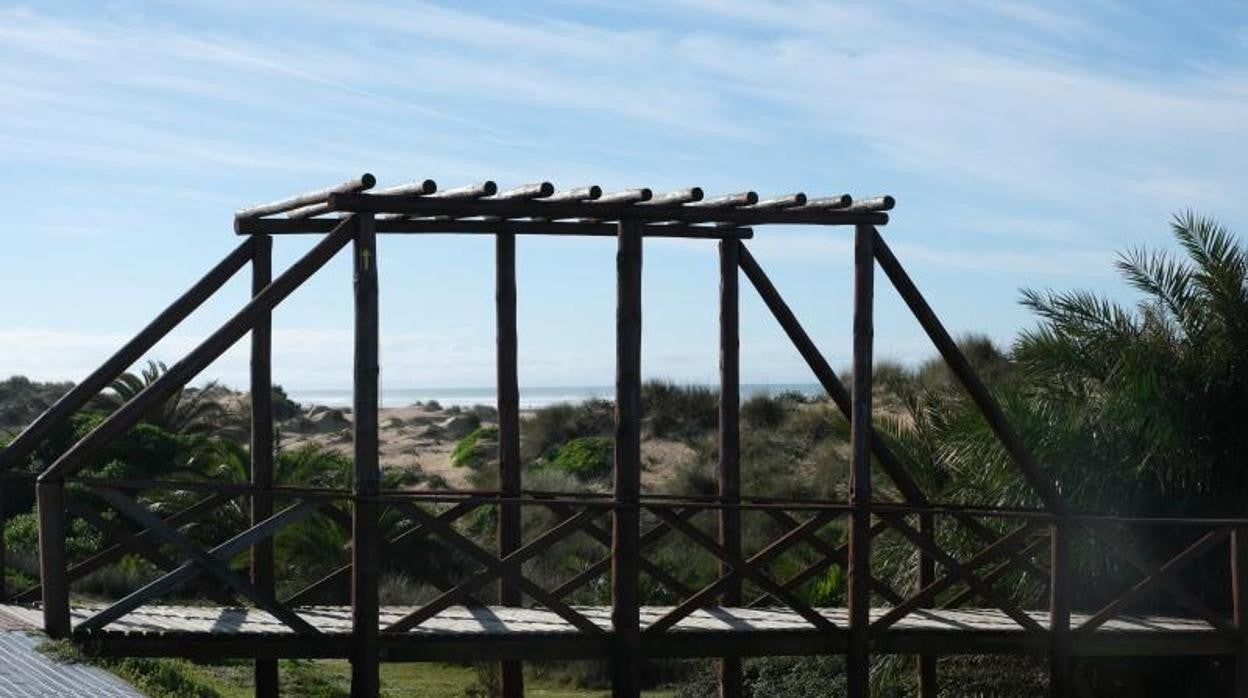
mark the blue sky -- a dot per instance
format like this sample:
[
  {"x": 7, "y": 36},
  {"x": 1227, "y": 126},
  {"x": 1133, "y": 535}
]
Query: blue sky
[{"x": 1025, "y": 143}]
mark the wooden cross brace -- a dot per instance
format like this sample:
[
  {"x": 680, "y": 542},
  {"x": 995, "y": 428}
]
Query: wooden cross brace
[
  {"x": 743, "y": 568},
  {"x": 1157, "y": 575},
  {"x": 508, "y": 568},
  {"x": 958, "y": 572},
  {"x": 214, "y": 562}
]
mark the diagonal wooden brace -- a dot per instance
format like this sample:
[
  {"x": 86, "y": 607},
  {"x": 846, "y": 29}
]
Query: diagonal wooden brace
[
  {"x": 508, "y": 567},
  {"x": 957, "y": 569},
  {"x": 746, "y": 568},
  {"x": 1158, "y": 576},
  {"x": 214, "y": 562}
]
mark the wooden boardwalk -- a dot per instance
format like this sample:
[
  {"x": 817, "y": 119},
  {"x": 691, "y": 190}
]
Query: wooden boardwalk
[{"x": 536, "y": 633}]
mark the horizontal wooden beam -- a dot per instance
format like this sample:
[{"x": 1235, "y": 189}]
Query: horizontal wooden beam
[
  {"x": 407, "y": 226},
  {"x": 601, "y": 209}
]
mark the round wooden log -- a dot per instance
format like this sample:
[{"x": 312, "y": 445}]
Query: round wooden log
[{"x": 361, "y": 183}]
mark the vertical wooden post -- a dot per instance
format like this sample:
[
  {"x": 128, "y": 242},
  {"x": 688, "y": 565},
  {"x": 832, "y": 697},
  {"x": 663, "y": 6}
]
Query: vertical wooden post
[
  {"x": 928, "y": 687},
  {"x": 1061, "y": 681},
  {"x": 625, "y": 547},
  {"x": 1239, "y": 601},
  {"x": 509, "y": 526},
  {"x": 365, "y": 551},
  {"x": 858, "y": 667},
  {"x": 52, "y": 558},
  {"x": 266, "y": 678},
  {"x": 729, "y": 441}
]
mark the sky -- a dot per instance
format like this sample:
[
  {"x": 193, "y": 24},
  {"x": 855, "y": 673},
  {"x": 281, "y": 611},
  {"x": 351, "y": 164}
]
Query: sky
[{"x": 1026, "y": 144}]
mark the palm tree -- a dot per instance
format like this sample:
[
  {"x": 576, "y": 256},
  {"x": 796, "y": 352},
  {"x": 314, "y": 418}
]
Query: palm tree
[{"x": 185, "y": 412}]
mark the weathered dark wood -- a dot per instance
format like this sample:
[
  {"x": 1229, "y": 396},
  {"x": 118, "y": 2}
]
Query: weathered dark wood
[
  {"x": 836, "y": 556},
  {"x": 965, "y": 572},
  {"x": 1239, "y": 606},
  {"x": 578, "y": 194},
  {"x": 59, "y": 413},
  {"x": 839, "y": 555},
  {"x": 646, "y": 567},
  {"x": 729, "y": 442},
  {"x": 1160, "y": 576},
  {"x": 829, "y": 202},
  {"x": 997, "y": 573},
  {"x": 364, "y": 181},
  {"x": 744, "y": 198},
  {"x": 975, "y": 388},
  {"x": 471, "y": 191},
  {"x": 612, "y": 206},
  {"x": 785, "y": 201},
  {"x": 365, "y": 548},
  {"x": 604, "y": 564},
  {"x": 805, "y": 346},
  {"x": 262, "y": 444},
  {"x": 52, "y": 558},
  {"x": 924, "y": 596},
  {"x": 873, "y": 203},
  {"x": 676, "y": 197},
  {"x": 407, "y": 226},
  {"x": 395, "y": 546},
  {"x": 858, "y": 589},
  {"x": 216, "y": 344},
  {"x": 536, "y": 190},
  {"x": 121, "y": 547},
  {"x": 420, "y": 187},
  {"x": 508, "y": 567},
  {"x": 626, "y": 516},
  {"x": 507, "y": 375},
  {"x": 738, "y": 568},
  {"x": 926, "y": 574},
  {"x": 206, "y": 561},
  {"x": 174, "y": 580},
  {"x": 1061, "y": 661}
]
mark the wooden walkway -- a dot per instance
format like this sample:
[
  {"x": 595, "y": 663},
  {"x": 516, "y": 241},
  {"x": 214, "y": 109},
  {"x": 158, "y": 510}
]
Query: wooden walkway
[{"x": 535, "y": 633}]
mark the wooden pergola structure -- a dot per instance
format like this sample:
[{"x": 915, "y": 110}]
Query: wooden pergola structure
[{"x": 528, "y": 621}]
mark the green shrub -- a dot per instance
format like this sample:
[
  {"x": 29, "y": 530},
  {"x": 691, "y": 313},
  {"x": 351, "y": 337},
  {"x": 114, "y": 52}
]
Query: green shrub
[
  {"x": 679, "y": 411},
  {"x": 476, "y": 449},
  {"x": 587, "y": 458},
  {"x": 764, "y": 412},
  {"x": 554, "y": 425}
]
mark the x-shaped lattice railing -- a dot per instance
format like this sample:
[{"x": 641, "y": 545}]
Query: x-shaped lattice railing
[
  {"x": 507, "y": 567},
  {"x": 1156, "y": 576},
  {"x": 959, "y": 572},
  {"x": 214, "y": 562}
]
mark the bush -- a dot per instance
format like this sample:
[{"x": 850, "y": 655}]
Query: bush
[
  {"x": 476, "y": 449},
  {"x": 586, "y": 458},
  {"x": 763, "y": 412},
  {"x": 679, "y": 411},
  {"x": 555, "y": 425}
]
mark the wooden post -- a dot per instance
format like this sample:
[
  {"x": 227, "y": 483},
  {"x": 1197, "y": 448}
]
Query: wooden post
[
  {"x": 509, "y": 525},
  {"x": 626, "y": 519},
  {"x": 1061, "y": 683},
  {"x": 858, "y": 667},
  {"x": 365, "y": 540},
  {"x": 928, "y": 688},
  {"x": 266, "y": 678},
  {"x": 52, "y": 558},
  {"x": 1239, "y": 601},
  {"x": 729, "y": 442}
]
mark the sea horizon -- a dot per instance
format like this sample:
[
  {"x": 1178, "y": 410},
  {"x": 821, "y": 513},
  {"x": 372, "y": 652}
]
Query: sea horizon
[{"x": 531, "y": 397}]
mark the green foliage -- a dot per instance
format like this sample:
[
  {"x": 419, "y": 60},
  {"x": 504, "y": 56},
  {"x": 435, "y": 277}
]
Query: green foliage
[
  {"x": 763, "y": 411},
  {"x": 679, "y": 411},
  {"x": 586, "y": 458},
  {"x": 476, "y": 449},
  {"x": 186, "y": 411},
  {"x": 555, "y": 425}
]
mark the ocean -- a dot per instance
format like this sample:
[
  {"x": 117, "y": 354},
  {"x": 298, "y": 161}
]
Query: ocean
[{"x": 530, "y": 397}]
